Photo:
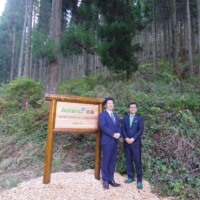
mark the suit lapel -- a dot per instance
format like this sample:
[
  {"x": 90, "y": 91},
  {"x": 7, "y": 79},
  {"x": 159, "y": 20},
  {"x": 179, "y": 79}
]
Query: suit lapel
[{"x": 108, "y": 115}]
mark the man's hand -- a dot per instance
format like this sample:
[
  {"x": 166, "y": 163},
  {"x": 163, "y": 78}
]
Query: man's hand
[
  {"x": 130, "y": 140},
  {"x": 116, "y": 135}
]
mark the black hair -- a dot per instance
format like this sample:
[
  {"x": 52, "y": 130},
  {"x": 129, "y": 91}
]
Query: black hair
[
  {"x": 132, "y": 103},
  {"x": 108, "y": 99}
]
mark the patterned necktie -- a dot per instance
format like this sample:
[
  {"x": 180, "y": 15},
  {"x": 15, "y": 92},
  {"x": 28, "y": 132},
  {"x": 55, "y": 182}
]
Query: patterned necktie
[
  {"x": 131, "y": 119},
  {"x": 113, "y": 118}
]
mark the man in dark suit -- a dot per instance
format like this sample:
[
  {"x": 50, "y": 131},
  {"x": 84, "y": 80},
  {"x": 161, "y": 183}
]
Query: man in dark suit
[
  {"x": 109, "y": 124},
  {"x": 132, "y": 128}
]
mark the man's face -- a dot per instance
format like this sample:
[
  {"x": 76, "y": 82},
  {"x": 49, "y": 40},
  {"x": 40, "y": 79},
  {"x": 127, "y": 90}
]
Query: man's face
[
  {"x": 133, "y": 109},
  {"x": 110, "y": 105}
]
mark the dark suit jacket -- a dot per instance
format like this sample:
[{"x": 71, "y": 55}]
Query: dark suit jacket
[
  {"x": 108, "y": 128},
  {"x": 135, "y": 131}
]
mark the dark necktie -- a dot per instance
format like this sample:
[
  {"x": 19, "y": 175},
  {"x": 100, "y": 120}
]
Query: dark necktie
[{"x": 113, "y": 118}]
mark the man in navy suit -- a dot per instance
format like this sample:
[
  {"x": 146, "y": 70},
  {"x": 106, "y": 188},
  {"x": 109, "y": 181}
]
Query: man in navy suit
[
  {"x": 132, "y": 128},
  {"x": 109, "y": 124}
]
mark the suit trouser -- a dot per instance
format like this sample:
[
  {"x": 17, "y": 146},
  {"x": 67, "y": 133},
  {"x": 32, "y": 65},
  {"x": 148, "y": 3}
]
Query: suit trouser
[
  {"x": 133, "y": 151},
  {"x": 109, "y": 161}
]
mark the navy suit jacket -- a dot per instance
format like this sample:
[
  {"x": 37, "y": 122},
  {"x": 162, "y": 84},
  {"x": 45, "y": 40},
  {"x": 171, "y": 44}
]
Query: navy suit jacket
[
  {"x": 135, "y": 131},
  {"x": 108, "y": 128}
]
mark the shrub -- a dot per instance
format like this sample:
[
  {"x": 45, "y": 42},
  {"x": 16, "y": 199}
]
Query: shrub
[
  {"x": 77, "y": 86},
  {"x": 20, "y": 90}
]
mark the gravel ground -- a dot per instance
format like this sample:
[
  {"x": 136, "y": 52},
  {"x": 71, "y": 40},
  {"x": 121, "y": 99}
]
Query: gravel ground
[{"x": 78, "y": 186}]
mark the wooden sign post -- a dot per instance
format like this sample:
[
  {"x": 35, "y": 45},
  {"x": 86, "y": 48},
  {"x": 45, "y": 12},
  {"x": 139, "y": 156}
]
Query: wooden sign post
[{"x": 72, "y": 114}]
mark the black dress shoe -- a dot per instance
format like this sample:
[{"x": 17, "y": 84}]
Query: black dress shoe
[
  {"x": 105, "y": 185},
  {"x": 114, "y": 184}
]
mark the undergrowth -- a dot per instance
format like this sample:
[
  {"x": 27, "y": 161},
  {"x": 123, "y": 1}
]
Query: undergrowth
[
  {"x": 170, "y": 108},
  {"x": 171, "y": 111}
]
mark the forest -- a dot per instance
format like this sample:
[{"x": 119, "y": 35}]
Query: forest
[
  {"x": 54, "y": 41},
  {"x": 146, "y": 51}
]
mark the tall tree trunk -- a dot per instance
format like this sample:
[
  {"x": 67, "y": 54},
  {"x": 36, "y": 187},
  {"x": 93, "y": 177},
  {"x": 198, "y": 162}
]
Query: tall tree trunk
[
  {"x": 28, "y": 45},
  {"x": 94, "y": 59},
  {"x": 193, "y": 37},
  {"x": 176, "y": 68},
  {"x": 147, "y": 45},
  {"x": 141, "y": 41},
  {"x": 181, "y": 39},
  {"x": 31, "y": 63},
  {"x": 22, "y": 42},
  {"x": 160, "y": 41},
  {"x": 55, "y": 33},
  {"x": 76, "y": 65},
  {"x": 16, "y": 55},
  {"x": 13, "y": 57},
  {"x": 198, "y": 9},
  {"x": 31, "y": 54},
  {"x": 34, "y": 69},
  {"x": 155, "y": 42},
  {"x": 185, "y": 40},
  {"x": 44, "y": 72},
  {"x": 189, "y": 39},
  {"x": 167, "y": 40},
  {"x": 40, "y": 69},
  {"x": 61, "y": 68},
  {"x": 170, "y": 39},
  {"x": 164, "y": 43},
  {"x": 154, "y": 49},
  {"x": 87, "y": 63},
  {"x": 93, "y": 64}
]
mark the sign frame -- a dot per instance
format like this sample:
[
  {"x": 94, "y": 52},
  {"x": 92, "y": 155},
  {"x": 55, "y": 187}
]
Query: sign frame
[{"x": 54, "y": 98}]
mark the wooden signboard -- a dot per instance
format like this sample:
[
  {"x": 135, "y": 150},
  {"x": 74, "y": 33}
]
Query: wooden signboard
[
  {"x": 76, "y": 115},
  {"x": 72, "y": 114}
]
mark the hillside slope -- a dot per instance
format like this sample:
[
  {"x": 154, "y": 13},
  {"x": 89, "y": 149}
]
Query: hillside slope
[{"x": 170, "y": 108}]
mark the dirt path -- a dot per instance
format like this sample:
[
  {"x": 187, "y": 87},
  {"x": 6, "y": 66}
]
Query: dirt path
[{"x": 78, "y": 186}]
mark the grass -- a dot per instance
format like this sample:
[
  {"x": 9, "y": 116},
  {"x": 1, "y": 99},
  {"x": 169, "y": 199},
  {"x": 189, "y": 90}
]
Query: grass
[{"x": 10, "y": 181}]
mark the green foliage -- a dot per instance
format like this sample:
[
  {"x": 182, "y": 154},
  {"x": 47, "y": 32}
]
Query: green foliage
[
  {"x": 44, "y": 18},
  {"x": 11, "y": 24},
  {"x": 9, "y": 182},
  {"x": 76, "y": 39},
  {"x": 187, "y": 101},
  {"x": 26, "y": 125},
  {"x": 122, "y": 21},
  {"x": 121, "y": 164},
  {"x": 16, "y": 93},
  {"x": 87, "y": 161},
  {"x": 80, "y": 35},
  {"x": 23, "y": 131},
  {"x": 112, "y": 39},
  {"x": 43, "y": 46},
  {"x": 78, "y": 86}
]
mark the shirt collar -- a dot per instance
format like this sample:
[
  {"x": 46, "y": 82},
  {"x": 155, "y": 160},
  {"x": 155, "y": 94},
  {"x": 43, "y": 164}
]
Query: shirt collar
[
  {"x": 109, "y": 112},
  {"x": 132, "y": 115}
]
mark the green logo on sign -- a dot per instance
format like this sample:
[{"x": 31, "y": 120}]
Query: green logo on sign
[{"x": 69, "y": 110}]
